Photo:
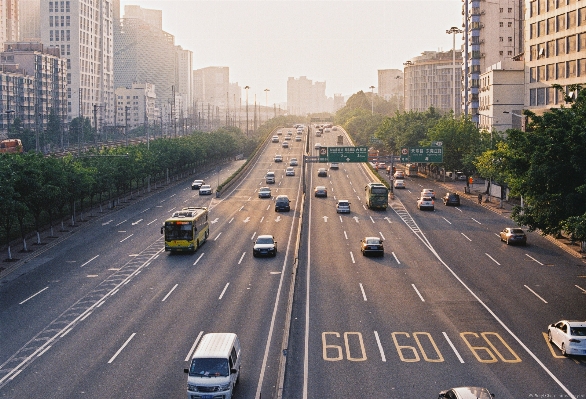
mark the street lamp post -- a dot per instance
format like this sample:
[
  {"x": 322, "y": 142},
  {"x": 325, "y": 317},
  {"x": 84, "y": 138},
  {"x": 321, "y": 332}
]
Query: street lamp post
[
  {"x": 247, "y": 87},
  {"x": 267, "y": 102},
  {"x": 371, "y": 100},
  {"x": 453, "y": 30}
]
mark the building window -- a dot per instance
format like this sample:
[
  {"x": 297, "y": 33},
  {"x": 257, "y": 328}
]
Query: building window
[
  {"x": 571, "y": 44},
  {"x": 500, "y": 39},
  {"x": 582, "y": 67},
  {"x": 551, "y": 5},
  {"x": 571, "y": 72},
  {"x": 560, "y": 70},
  {"x": 509, "y": 53},
  {"x": 551, "y": 25},
  {"x": 550, "y": 48},
  {"x": 541, "y": 96},
  {"x": 510, "y": 39},
  {"x": 502, "y": 9},
  {"x": 509, "y": 10},
  {"x": 500, "y": 52},
  {"x": 50, "y": 35},
  {"x": 550, "y": 93},
  {"x": 572, "y": 19},
  {"x": 541, "y": 73},
  {"x": 561, "y": 22},
  {"x": 561, "y": 46},
  {"x": 509, "y": 24},
  {"x": 532, "y": 75},
  {"x": 67, "y": 8},
  {"x": 532, "y": 97},
  {"x": 51, "y": 21},
  {"x": 50, "y": 6},
  {"x": 501, "y": 24},
  {"x": 533, "y": 31},
  {"x": 62, "y": 6},
  {"x": 550, "y": 72},
  {"x": 582, "y": 16}
]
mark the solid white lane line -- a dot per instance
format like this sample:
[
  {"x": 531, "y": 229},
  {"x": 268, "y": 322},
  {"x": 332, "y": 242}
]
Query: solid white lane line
[
  {"x": 33, "y": 295},
  {"x": 197, "y": 260},
  {"x": 416, "y": 290},
  {"x": 242, "y": 257},
  {"x": 397, "y": 259},
  {"x": 380, "y": 347},
  {"x": 169, "y": 293},
  {"x": 363, "y": 293},
  {"x": 218, "y": 236},
  {"x": 89, "y": 260},
  {"x": 533, "y": 259},
  {"x": 492, "y": 259},
  {"x": 190, "y": 353},
  {"x": 223, "y": 291},
  {"x": 466, "y": 237},
  {"x": 535, "y": 293},
  {"x": 453, "y": 347},
  {"x": 121, "y": 348}
]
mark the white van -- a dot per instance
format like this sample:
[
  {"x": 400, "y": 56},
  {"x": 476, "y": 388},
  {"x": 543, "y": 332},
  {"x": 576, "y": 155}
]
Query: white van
[
  {"x": 215, "y": 367},
  {"x": 270, "y": 178}
]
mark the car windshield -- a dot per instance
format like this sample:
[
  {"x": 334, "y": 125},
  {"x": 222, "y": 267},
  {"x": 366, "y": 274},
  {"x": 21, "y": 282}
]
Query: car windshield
[
  {"x": 264, "y": 240},
  {"x": 209, "y": 368},
  {"x": 516, "y": 231},
  {"x": 342, "y": 203},
  {"x": 205, "y": 187}
]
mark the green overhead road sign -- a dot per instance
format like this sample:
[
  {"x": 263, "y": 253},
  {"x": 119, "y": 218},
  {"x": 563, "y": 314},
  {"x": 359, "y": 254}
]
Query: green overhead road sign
[
  {"x": 422, "y": 154},
  {"x": 347, "y": 154}
]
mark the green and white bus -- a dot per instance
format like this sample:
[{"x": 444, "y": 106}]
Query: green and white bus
[
  {"x": 186, "y": 229},
  {"x": 376, "y": 195}
]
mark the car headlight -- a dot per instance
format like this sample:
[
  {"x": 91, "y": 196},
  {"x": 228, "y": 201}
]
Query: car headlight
[
  {"x": 192, "y": 387},
  {"x": 225, "y": 387}
]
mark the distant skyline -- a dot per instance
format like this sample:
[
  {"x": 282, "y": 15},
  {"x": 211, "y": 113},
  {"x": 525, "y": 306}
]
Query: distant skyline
[{"x": 343, "y": 43}]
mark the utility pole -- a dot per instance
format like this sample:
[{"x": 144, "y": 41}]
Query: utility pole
[{"x": 126, "y": 108}]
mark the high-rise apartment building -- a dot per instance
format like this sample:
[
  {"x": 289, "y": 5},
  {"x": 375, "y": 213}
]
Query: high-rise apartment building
[
  {"x": 429, "y": 82},
  {"x": 555, "y": 51},
  {"x": 9, "y": 16},
  {"x": 184, "y": 77},
  {"x": 83, "y": 30},
  {"x": 494, "y": 33},
  {"x": 135, "y": 106},
  {"x": 144, "y": 53},
  {"x": 211, "y": 92},
  {"x": 306, "y": 97},
  {"x": 390, "y": 83},
  {"x": 33, "y": 84},
  {"x": 29, "y": 20}
]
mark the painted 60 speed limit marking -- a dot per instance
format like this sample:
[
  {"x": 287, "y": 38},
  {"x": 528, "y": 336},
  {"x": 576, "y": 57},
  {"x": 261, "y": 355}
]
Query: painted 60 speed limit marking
[{"x": 487, "y": 347}]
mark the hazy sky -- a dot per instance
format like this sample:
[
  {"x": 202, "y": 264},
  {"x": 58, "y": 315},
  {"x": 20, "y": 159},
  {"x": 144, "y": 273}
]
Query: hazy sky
[{"x": 340, "y": 42}]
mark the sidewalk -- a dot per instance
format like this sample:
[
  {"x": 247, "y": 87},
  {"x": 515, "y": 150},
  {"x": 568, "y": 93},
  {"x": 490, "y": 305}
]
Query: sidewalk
[{"x": 503, "y": 209}]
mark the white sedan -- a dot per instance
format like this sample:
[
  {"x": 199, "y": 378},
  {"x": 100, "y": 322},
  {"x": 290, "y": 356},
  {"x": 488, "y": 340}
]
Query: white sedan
[
  {"x": 569, "y": 336},
  {"x": 290, "y": 171}
]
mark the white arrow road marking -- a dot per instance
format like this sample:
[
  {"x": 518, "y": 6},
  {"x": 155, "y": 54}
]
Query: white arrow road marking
[
  {"x": 247, "y": 220},
  {"x": 214, "y": 221},
  {"x": 355, "y": 218},
  {"x": 325, "y": 219},
  {"x": 278, "y": 219}
]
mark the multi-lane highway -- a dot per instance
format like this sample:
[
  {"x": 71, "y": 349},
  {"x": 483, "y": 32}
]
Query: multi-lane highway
[
  {"x": 449, "y": 304},
  {"x": 108, "y": 314}
]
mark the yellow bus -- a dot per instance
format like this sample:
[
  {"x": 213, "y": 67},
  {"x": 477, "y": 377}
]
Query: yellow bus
[{"x": 186, "y": 229}]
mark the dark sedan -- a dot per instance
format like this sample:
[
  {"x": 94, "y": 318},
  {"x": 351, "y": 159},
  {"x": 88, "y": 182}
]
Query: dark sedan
[
  {"x": 451, "y": 199},
  {"x": 372, "y": 246},
  {"x": 322, "y": 172}
]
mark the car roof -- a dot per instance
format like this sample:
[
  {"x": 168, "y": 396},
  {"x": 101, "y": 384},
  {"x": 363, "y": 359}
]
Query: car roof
[
  {"x": 371, "y": 238},
  {"x": 472, "y": 393},
  {"x": 574, "y": 323},
  {"x": 265, "y": 188},
  {"x": 198, "y": 181},
  {"x": 343, "y": 201},
  {"x": 320, "y": 187},
  {"x": 282, "y": 196},
  {"x": 264, "y": 236}
]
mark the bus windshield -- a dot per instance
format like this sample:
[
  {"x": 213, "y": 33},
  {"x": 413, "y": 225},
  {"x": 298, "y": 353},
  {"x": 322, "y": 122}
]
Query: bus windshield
[
  {"x": 379, "y": 190},
  {"x": 176, "y": 231}
]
